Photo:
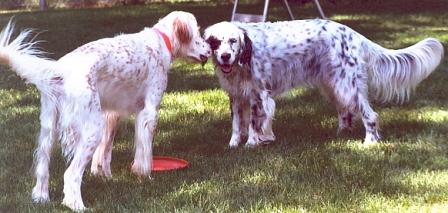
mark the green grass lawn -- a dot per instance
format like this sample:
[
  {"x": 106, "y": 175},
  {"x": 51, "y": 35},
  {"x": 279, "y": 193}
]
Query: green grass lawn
[{"x": 307, "y": 169}]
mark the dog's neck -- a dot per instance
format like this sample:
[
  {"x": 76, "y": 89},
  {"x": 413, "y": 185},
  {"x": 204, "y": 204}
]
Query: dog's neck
[{"x": 166, "y": 39}]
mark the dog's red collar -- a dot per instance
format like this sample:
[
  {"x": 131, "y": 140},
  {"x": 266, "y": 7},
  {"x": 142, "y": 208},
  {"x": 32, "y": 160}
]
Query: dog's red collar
[{"x": 166, "y": 40}]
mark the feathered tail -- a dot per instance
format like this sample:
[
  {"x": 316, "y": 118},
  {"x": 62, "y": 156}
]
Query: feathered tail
[
  {"x": 22, "y": 55},
  {"x": 394, "y": 74}
]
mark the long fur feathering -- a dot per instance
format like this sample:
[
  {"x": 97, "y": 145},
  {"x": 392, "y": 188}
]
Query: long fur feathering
[
  {"x": 395, "y": 74},
  {"x": 25, "y": 58}
]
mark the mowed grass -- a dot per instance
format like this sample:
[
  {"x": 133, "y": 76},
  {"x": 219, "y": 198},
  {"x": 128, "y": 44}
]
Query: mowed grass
[{"x": 308, "y": 169}]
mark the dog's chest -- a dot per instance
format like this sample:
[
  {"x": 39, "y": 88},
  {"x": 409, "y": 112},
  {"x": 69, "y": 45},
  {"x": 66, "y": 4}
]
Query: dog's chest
[{"x": 238, "y": 83}]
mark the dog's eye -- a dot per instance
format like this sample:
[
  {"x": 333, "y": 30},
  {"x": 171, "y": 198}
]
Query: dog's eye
[{"x": 232, "y": 41}]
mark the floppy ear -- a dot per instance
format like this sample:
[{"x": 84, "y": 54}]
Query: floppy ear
[
  {"x": 246, "y": 50},
  {"x": 182, "y": 31}
]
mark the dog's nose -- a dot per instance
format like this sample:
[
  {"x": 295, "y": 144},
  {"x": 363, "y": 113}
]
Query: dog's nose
[
  {"x": 203, "y": 59},
  {"x": 225, "y": 57}
]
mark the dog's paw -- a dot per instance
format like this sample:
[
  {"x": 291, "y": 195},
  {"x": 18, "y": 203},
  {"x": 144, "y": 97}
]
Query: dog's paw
[
  {"x": 100, "y": 172},
  {"x": 233, "y": 144},
  {"x": 40, "y": 195},
  {"x": 252, "y": 144},
  {"x": 372, "y": 138},
  {"x": 74, "y": 204},
  {"x": 141, "y": 171}
]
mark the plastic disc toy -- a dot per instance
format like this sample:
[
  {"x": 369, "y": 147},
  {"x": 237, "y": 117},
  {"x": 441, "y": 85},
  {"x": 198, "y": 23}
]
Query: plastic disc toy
[{"x": 163, "y": 163}]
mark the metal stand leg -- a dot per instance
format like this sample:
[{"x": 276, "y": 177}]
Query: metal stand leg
[
  {"x": 289, "y": 9},
  {"x": 320, "y": 9},
  {"x": 235, "y": 4}
]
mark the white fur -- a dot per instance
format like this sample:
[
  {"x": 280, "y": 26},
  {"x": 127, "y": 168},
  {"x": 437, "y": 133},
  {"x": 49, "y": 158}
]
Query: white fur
[{"x": 84, "y": 93}]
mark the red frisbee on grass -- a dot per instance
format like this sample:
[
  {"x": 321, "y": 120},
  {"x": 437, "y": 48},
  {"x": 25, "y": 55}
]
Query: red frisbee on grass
[{"x": 164, "y": 163}]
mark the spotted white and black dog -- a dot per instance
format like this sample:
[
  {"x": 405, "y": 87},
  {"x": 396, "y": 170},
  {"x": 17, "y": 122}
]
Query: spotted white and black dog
[{"x": 256, "y": 62}]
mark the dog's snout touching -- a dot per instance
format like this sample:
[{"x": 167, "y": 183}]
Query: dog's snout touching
[
  {"x": 225, "y": 57},
  {"x": 203, "y": 59}
]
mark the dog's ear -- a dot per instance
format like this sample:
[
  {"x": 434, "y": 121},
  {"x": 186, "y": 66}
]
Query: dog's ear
[
  {"x": 182, "y": 31},
  {"x": 246, "y": 50}
]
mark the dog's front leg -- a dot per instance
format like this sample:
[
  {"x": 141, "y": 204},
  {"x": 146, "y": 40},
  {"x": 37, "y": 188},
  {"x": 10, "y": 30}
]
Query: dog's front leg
[
  {"x": 145, "y": 126},
  {"x": 240, "y": 119},
  {"x": 262, "y": 112}
]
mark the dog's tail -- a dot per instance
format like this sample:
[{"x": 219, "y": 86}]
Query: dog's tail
[
  {"x": 22, "y": 55},
  {"x": 394, "y": 74}
]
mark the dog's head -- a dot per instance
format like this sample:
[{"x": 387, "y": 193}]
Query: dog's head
[
  {"x": 230, "y": 45},
  {"x": 187, "y": 41}
]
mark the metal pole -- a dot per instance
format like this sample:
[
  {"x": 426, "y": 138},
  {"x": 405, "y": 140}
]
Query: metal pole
[
  {"x": 320, "y": 9},
  {"x": 235, "y": 3},
  {"x": 289, "y": 9},
  {"x": 42, "y": 4},
  {"x": 265, "y": 11}
]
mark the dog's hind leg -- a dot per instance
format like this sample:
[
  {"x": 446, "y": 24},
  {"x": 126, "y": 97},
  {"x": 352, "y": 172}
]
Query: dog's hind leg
[
  {"x": 370, "y": 121},
  {"x": 103, "y": 154},
  {"x": 42, "y": 154},
  {"x": 89, "y": 124},
  {"x": 348, "y": 90},
  {"x": 345, "y": 121}
]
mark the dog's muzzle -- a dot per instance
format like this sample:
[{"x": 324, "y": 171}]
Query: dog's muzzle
[{"x": 203, "y": 59}]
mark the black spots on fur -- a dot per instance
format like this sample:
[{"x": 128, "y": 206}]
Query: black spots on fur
[
  {"x": 57, "y": 78},
  {"x": 333, "y": 41},
  {"x": 313, "y": 65},
  {"x": 324, "y": 28},
  {"x": 371, "y": 124},
  {"x": 354, "y": 82},
  {"x": 406, "y": 59},
  {"x": 254, "y": 109},
  {"x": 331, "y": 74},
  {"x": 344, "y": 44},
  {"x": 343, "y": 29},
  {"x": 343, "y": 55},
  {"x": 240, "y": 110},
  {"x": 308, "y": 40},
  {"x": 213, "y": 42},
  {"x": 337, "y": 66},
  {"x": 257, "y": 112},
  {"x": 253, "y": 123},
  {"x": 342, "y": 74},
  {"x": 268, "y": 86},
  {"x": 348, "y": 119},
  {"x": 350, "y": 37},
  {"x": 294, "y": 45}
]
